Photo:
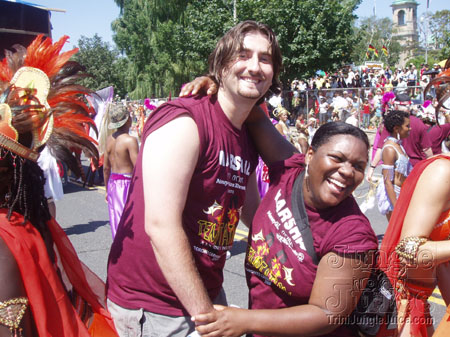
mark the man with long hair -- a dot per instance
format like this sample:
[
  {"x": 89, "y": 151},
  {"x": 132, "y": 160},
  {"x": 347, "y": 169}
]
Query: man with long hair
[{"x": 192, "y": 181}]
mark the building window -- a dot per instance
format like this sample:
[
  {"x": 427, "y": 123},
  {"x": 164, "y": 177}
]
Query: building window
[{"x": 401, "y": 18}]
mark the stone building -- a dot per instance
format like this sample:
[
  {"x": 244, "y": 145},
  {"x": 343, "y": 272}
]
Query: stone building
[{"x": 405, "y": 29}]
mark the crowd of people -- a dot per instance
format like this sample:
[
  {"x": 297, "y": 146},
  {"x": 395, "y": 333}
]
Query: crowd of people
[
  {"x": 177, "y": 195},
  {"x": 353, "y": 93}
]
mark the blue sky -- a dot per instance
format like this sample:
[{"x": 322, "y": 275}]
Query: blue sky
[{"x": 83, "y": 17}]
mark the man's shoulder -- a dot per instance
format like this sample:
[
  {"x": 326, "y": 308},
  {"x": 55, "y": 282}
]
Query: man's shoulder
[
  {"x": 126, "y": 138},
  {"x": 187, "y": 102},
  {"x": 193, "y": 107}
]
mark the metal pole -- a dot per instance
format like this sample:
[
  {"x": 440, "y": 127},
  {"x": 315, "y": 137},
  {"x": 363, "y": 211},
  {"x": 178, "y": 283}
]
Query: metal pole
[
  {"x": 426, "y": 38},
  {"x": 234, "y": 11}
]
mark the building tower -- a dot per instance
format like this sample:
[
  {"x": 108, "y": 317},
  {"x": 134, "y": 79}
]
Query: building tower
[{"x": 404, "y": 19}]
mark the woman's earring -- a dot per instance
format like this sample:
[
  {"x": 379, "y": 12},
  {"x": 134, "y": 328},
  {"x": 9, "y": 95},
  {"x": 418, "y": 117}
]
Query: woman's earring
[{"x": 398, "y": 136}]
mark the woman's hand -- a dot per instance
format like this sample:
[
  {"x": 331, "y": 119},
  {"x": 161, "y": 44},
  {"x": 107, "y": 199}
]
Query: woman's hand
[
  {"x": 199, "y": 84},
  {"x": 224, "y": 321}
]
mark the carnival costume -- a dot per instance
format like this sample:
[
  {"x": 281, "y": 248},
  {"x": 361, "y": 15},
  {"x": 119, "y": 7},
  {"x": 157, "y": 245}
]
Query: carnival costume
[
  {"x": 411, "y": 295},
  {"x": 401, "y": 166},
  {"x": 443, "y": 94},
  {"x": 41, "y": 105},
  {"x": 118, "y": 186}
]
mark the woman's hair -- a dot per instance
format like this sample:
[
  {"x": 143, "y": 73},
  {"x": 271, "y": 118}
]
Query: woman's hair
[
  {"x": 329, "y": 130},
  {"x": 394, "y": 118},
  {"x": 27, "y": 192},
  {"x": 231, "y": 44}
]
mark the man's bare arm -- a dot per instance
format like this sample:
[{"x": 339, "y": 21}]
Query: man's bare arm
[
  {"x": 106, "y": 167},
  {"x": 166, "y": 184}
]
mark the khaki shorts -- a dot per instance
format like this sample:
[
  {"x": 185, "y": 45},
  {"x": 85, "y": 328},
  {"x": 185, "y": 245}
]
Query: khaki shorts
[{"x": 141, "y": 323}]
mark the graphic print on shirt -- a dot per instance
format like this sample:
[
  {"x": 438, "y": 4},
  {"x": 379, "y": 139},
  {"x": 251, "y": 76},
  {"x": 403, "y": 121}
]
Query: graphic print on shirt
[
  {"x": 238, "y": 167},
  {"x": 267, "y": 254},
  {"x": 272, "y": 269},
  {"x": 219, "y": 233}
]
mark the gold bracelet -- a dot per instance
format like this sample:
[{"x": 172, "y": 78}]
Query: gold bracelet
[{"x": 408, "y": 248}]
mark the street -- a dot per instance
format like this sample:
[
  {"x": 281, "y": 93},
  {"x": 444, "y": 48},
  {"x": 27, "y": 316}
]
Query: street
[{"x": 83, "y": 214}]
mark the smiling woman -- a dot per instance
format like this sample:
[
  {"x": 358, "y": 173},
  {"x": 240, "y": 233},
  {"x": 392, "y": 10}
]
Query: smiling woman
[
  {"x": 307, "y": 298},
  {"x": 337, "y": 159}
]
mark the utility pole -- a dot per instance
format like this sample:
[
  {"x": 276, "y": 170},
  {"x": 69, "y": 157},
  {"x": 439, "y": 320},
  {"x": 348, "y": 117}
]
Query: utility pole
[
  {"x": 234, "y": 11},
  {"x": 424, "y": 25}
]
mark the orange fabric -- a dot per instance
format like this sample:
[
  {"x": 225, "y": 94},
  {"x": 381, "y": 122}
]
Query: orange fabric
[
  {"x": 442, "y": 229},
  {"x": 444, "y": 326},
  {"x": 389, "y": 261},
  {"x": 52, "y": 310}
]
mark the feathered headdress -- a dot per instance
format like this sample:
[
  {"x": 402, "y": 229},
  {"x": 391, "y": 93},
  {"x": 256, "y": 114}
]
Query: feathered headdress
[
  {"x": 387, "y": 101},
  {"x": 441, "y": 83},
  {"x": 40, "y": 103}
]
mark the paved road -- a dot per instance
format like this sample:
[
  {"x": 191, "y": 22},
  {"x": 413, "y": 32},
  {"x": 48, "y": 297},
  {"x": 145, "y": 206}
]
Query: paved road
[{"x": 84, "y": 216}]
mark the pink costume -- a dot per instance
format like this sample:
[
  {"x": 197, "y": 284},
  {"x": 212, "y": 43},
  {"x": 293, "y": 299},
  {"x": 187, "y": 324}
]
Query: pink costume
[{"x": 118, "y": 185}]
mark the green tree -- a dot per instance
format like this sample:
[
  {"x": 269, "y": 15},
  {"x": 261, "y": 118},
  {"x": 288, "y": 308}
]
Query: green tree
[
  {"x": 313, "y": 35},
  {"x": 440, "y": 29},
  {"x": 103, "y": 63},
  {"x": 147, "y": 32},
  {"x": 168, "y": 42},
  {"x": 378, "y": 33}
]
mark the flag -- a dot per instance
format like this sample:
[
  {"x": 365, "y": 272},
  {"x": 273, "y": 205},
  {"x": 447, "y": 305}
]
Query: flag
[
  {"x": 385, "y": 51},
  {"x": 375, "y": 52},
  {"x": 367, "y": 54},
  {"x": 371, "y": 48}
]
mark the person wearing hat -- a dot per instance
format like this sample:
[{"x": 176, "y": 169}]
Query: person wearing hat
[{"x": 119, "y": 160}]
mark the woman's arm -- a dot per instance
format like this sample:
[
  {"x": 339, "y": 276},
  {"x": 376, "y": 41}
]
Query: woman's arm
[
  {"x": 337, "y": 287},
  {"x": 12, "y": 287},
  {"x": 443, "y": 278},
  {"x": 389, "y": 157},
  {"x": 270, "y": 144},
  {"x": 430, "y": 198},
  {"x": 279, "y": 129}
]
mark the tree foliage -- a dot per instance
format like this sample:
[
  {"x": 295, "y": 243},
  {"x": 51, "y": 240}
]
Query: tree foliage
[
  {"x": 378, "y": 33},
  {"x": 440, "y": 28},
  {"x": 103, "y": 63},
  {"x": 168, "y": 42}
]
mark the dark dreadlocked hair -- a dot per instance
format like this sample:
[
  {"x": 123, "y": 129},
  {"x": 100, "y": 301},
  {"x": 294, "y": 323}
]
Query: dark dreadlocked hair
[{"x": 27, "y": 193}]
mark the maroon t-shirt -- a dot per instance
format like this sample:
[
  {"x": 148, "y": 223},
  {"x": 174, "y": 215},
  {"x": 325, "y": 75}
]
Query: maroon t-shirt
[
  {"x": 280, "y": 273},
  {"x": 415, "y": 143},
  {"x": 216, "y": 194},
  {"x": 437, "y": 135}
]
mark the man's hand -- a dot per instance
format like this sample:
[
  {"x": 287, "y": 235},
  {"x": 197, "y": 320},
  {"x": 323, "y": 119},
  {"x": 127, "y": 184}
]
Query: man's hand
[{"x": 199, "y": 84}]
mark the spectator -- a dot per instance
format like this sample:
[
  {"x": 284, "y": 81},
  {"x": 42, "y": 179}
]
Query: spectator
[
  {"x": 353, "y": 118},
  {"x": 366, "y": 114},
  {"x": 401, "y": 87}
]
